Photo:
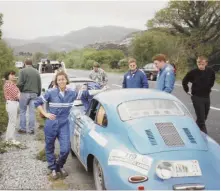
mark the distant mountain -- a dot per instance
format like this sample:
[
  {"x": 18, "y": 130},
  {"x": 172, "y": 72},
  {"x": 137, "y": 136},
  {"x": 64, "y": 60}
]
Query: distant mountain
[
  {"x": 33, "y": 47},
  {"x": 72, "y": 40}
]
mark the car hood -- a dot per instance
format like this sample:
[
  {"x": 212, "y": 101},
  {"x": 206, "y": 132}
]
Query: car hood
[{"x": 161, "y": 134}]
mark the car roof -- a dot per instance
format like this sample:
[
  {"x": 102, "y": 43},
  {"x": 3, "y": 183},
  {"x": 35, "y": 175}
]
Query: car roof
[
  {"x": 47, "y": 74},
  {"x": 80, "y": 79},
  {"x": 51, "y": 75},
  {"x": 124, "y": 95},
  {"x": 52, "y": 62}
]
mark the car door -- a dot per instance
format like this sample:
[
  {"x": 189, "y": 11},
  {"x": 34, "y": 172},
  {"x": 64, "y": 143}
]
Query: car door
[{"x": 82, "y": 125}]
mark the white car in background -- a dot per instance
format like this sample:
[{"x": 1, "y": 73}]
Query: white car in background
[
  {"x": 56, "y": 65},
  {"x": 19, "y": 65}
]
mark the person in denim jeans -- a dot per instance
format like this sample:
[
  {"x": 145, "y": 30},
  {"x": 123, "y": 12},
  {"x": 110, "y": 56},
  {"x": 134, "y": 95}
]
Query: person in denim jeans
[{"x": 29, "y": 83}]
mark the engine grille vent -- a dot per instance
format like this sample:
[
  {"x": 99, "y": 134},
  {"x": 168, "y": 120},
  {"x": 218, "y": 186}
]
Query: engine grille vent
[
  {"x": 169, "y": 134},
  {"x": 151, "y": 137},
  {"x": 189, "y": 135}
]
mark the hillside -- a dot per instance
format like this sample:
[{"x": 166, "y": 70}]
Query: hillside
[{"x": 73, "y": 40}]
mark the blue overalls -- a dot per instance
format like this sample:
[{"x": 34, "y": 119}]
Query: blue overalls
[{"x": 60, "y": 106}]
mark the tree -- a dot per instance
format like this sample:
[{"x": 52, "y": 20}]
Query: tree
[
  {"x": 53, "y": 55},
  {"x": 37, "y": 57},
  {"x": 196, "y": 21},
  {"x": 146, "y": 45},
  {"x": 1, "y": 23},
  {"x": 6, "y": 63}
]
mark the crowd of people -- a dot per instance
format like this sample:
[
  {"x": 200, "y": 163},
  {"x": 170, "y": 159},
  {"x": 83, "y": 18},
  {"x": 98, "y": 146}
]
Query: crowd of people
[{"x": 60, "y": 98}]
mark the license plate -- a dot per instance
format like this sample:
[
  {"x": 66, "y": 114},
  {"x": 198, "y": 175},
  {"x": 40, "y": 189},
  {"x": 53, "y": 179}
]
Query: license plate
[{"x": 186, "y": 168}]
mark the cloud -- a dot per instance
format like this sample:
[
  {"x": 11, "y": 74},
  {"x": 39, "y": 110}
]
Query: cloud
[{"x": 28, "y": 20}]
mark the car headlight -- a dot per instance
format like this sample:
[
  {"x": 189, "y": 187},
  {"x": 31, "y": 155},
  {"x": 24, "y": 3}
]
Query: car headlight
[{"x": 164, "y": 170}]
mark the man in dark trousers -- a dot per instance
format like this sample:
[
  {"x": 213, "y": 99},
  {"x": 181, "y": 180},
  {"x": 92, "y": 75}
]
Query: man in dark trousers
[
  {"x": 48, "y": 67},
  {"x": 134, "y": 78},
  {"x": 202, "y": 79}
]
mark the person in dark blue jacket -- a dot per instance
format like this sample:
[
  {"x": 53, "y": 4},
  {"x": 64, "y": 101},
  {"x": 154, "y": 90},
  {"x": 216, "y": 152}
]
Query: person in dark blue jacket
[
  {"x": 134, "y": 78},
  {"x": 60, "y": 101},
  {"x": 165, "y": 76}
]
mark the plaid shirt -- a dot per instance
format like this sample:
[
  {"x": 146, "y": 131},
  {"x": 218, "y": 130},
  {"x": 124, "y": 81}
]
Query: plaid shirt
[
  {"x": 100, "y": 76},
  {"x": 11, "y": 91}
]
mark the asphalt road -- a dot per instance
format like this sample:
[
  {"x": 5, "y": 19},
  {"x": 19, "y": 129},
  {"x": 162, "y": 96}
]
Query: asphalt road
[{"x": 213, "y": 121}]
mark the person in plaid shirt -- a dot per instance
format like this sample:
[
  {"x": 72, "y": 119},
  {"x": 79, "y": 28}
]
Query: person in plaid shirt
[{"x": 12, "y": 94}]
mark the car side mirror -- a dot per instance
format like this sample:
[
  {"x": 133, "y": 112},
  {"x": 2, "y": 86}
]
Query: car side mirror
[{"x": 43, "y": 89}]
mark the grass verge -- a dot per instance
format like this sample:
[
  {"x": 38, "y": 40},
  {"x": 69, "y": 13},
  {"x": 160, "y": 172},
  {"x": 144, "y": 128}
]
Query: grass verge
[
  {"x": 58, "y": 184},
  {"x": 40, "y": 120}
]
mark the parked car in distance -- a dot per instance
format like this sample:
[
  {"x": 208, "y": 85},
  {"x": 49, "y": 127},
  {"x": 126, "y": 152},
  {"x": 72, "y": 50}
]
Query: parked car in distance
[{"x": 151, "y": 71}]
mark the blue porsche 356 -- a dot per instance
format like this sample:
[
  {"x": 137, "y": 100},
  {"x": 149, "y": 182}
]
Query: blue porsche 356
[{"x": 143, "y": 139}]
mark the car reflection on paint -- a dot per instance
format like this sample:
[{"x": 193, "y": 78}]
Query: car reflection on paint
[{"x": 143, "y": 139}]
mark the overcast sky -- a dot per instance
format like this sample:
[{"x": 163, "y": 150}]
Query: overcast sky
[{"x": 27, "y": 20}]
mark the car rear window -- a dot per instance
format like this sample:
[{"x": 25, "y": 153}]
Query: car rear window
[{"x": 151, "y": 107}]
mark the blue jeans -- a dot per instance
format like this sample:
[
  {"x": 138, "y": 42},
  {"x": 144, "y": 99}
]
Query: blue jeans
[
  {"x": 27, "y": 99},
  {"x": 58, "y": 128}
]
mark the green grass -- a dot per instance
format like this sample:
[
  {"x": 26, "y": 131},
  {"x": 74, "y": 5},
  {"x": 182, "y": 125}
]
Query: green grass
[
  {"x": 41, "y": 155},
  {"x": 40, "y": 135},
  {"x": 58, "y": 184},
  {"x": 4, "y": 117},
  {"x": 218, "y": 78},
  {"x": 2, "y": 147},
  {"x": 40, "y": 120}
]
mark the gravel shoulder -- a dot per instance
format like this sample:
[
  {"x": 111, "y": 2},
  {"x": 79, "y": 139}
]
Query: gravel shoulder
[{"x": 19, "y": 168}]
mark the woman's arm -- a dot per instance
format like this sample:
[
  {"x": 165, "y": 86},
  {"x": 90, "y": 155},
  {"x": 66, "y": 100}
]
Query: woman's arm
[{"x": 47, "y": 115}]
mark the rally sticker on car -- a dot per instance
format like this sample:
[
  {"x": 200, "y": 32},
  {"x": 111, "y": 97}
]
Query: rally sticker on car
[
  {"x": 186, "y": 168},
  {"x": 133, "y": 161},
  {"x": 77, "y": 140}
]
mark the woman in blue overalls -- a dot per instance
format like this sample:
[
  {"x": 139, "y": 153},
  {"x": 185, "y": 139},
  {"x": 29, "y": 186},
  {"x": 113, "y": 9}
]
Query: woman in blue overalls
[{"x": 60, "y": 101}]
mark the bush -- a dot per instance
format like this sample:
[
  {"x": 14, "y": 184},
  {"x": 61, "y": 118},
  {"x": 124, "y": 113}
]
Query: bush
[
  {"x": 123, "y": 63},
  {"x": 88, "y": 64},
  {"x": 150, "y": 43},
  {"x": 4, "y": 118},
  {"x": 6, "y": 63}
]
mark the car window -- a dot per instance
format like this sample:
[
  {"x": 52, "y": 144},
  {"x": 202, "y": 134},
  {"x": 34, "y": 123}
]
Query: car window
[
  {"x": 101, "y": 117},
  {"x": 78, "y": 85},
  {"x": 151, "y": 107},
  {"x": 92, "y": 110}
]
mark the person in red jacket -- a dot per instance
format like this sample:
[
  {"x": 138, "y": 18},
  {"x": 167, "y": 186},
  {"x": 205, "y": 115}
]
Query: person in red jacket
[{"x": 12, "y": 95}]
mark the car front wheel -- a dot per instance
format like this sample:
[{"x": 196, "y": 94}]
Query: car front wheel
[{"x": 98, "y": 175}]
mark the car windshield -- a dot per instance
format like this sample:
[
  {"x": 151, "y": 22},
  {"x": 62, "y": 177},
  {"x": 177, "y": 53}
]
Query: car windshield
[{"x": 150, "y": 107}]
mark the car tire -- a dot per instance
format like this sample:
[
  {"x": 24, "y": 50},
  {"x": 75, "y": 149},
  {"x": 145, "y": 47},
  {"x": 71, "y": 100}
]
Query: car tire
[
  {"x": 151, "y": 77},
  {"x": 98, "y": 175}
]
